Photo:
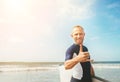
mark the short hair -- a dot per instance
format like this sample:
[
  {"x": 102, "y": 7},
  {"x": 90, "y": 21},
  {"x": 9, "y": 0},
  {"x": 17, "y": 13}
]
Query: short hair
[{"x": 79, "y": 27}]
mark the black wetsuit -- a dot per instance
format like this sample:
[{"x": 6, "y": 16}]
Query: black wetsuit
[{"x": 85, "y": 65}]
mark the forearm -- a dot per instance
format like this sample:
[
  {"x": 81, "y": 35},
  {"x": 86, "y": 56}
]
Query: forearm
[{"x": 71, "y": 63}]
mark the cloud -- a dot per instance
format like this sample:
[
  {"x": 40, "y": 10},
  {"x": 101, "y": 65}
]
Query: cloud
[
  {"x": 79, "y": 9},
  {"x": 113, "y": 5}
]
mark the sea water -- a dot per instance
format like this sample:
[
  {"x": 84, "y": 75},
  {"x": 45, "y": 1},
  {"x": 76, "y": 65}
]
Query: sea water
[
  {"x": 108, "y": 71},
  {"x": 50, "y": 72},
  {"x": 29, "y": 73}
]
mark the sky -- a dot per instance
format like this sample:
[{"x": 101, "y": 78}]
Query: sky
[{"x": 39, "y": 30}]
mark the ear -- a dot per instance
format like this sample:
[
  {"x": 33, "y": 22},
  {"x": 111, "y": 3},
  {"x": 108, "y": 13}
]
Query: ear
[{"x": 84, "y": 34}]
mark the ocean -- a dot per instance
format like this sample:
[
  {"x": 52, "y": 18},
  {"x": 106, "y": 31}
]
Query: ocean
[
  {"x": 49, "y": 72},
  {"x": 108, "y": 70}
]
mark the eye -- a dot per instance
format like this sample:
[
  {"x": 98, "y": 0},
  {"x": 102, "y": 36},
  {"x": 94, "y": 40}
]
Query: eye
[
  {"x": 75, "y": 34},
  {"x": 81, "y": 34}
]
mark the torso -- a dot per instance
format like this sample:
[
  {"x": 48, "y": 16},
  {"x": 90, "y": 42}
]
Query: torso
[{"x": 86, "y": 65}]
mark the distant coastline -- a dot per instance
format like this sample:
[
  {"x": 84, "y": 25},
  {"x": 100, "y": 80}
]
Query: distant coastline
[
  {"x": 20, "y": 63},
  {"x": 29, "y": 63}
]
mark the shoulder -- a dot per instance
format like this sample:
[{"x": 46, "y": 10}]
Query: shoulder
[{"x": 73, "y": 47}]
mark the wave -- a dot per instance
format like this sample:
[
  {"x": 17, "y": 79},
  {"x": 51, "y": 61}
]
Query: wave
[
  {"x": 108, "y": 66},
  {"x": 39, "y": 67},
  {"x": 17, "y": 68}
]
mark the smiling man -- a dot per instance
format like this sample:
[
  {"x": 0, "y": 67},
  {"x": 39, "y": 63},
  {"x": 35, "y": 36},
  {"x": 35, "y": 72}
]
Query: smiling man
[{"x": 82, "y": 57}]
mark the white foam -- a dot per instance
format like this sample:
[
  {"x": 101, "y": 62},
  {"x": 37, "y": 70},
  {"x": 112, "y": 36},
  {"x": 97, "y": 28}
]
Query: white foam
[
  {"x": 10, "y": 68},
  {"x": 107, "y": 66}
]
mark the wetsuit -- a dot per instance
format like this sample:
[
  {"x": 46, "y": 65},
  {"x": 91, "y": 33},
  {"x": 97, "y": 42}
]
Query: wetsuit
[{"x": 85, "y": 65}]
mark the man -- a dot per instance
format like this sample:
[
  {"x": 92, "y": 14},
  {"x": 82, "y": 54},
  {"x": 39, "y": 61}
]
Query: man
[{"x": 82, "y": 57}]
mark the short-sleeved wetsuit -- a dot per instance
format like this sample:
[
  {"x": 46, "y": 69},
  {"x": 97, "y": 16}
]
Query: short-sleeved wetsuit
[{"x": 85, "y": 65}]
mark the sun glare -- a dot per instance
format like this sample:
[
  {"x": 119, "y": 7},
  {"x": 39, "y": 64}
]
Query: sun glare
[{"x": 15, "y": 5}]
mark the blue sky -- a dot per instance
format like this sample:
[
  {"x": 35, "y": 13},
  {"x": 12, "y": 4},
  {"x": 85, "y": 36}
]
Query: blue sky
[{"x": 39, "y": 30}]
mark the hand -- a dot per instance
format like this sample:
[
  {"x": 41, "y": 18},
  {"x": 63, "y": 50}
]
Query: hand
[{"x": 83, "y": 56}]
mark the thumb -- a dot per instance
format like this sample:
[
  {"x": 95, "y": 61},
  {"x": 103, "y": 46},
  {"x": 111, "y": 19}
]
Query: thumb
[{"x": 81, "y": 48}]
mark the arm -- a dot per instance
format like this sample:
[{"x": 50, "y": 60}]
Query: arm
[
  {"x": 81, "y": 57},
  {"x": 71, "y": 63},
  {"x": 92, "y": 71}
]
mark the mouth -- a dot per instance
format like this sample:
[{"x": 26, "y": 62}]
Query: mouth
[{"x": 78, "y": 40}]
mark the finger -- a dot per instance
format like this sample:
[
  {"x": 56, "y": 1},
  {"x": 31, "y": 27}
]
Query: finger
[
  {"x": 86, "y": 56},
  {"x": 86, "y": 53},
  {"x": 89, "y": 60},
  {"x": 81, "y": 48}
]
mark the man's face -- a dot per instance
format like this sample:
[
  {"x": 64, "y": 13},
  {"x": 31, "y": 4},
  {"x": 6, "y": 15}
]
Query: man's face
[{"x": 78, "y": 35}]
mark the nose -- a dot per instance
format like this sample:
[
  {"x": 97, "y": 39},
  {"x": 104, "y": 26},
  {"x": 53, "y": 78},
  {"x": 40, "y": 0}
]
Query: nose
[{"x": 78, "y": 35}]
